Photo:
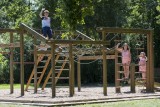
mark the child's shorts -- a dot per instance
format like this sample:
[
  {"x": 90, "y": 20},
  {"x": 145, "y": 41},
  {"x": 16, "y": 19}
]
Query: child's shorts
[{"x": 47, "y": 31}]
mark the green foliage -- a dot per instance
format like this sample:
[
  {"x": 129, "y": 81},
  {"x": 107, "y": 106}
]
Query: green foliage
[{"x": 73, "y": 12}]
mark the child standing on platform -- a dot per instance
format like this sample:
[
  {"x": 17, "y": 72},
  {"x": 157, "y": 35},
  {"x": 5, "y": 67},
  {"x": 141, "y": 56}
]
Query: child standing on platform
[
  {"x": 142, "y": 64},
  {"x": 46, "y": 24},
  {"x": 126, "y": 59}
]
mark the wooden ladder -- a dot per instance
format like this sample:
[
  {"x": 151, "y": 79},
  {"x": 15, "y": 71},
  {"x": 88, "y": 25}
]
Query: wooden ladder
[
  {"x": 59, "y": 70},
  {"x": 40, "y": 74}
]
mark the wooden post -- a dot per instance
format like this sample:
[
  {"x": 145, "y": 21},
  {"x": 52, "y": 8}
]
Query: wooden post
[
  {"x": 53, "y": 70},
  {"x": 117, "y": 75},
  {"x": 71, "y": 71},
  {"x": 104, "y": 67},
  {"x": 104, "y": 73},
  {"x": 22, "y": 62},
  {"x": 151, "y": 62},
  {"x": 11, "y": 65},
  {"x": 148, "y": 65},
  {"x": 79, "y": 75},
  {"x": 35, "y": 66},
  {"x": 132, "y": 78}
]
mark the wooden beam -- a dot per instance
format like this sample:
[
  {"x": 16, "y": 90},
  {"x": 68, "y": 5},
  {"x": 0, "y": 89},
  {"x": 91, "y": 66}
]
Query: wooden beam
[
  {"x": 96, "y": 57},
  {"x": 10, "y": 45},
  {"x": 11, "y": 65},
  {"x": 77, "y": 42},
  {"x": 123, "y": 30},
  {"x": 85, "y": 37},
  {"x": 5, "y": 30},
  {"x": 22, "y": 62},
  {"x": 33, "y": 32}
]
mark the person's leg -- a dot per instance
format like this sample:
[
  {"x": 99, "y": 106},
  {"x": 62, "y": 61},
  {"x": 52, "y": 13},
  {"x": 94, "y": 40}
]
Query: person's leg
[
  {"x": 49, "y": 33},
  {"x": 127, "y": 71},
  {"x": 143, "y": 75},
  {"x": 124, "y": 68},
  {"x": 44, "y": 29}
]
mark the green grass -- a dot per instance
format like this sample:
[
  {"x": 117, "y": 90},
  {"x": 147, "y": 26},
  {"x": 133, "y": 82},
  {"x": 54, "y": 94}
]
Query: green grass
[
  {"x": 16, "y": 105},
  {"x": 7, "y": 86},
  {"x": 134, "y": 103}
]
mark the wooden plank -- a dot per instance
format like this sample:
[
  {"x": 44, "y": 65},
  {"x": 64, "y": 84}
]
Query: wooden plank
[
  {"x": 79, "y": 74},
  {"x": 5, "y": 30},
  {"x": 96, "y": 57},
  {"x": 53, "y": 70},
  {"x": 10, "y": 45},
  {"x": 132, "y": 74},
  {"x": 77, "y": 42},
  {"x": 11, "y": 65},
  {"x": 35, "y": 66},
  {"x": 85, "y": 37},
  {"x": 123, "y": 30},
  {"x": 22, "y": 63},
  {"x": 33, "y": 32}
]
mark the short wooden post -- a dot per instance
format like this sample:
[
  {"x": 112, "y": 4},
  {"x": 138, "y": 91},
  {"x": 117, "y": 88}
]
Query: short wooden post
[
  {"x": 117, "y": 75},
  {"x": 11, "y": 65},
  {"x": 35, "y": 66},
  {"x": 22, "y": 62},
  {"x": 71, "y": 72},
  {"x": 132, "y": 78},
  {"x": 53, "y": 46},
  {"x": 148, "y": 65},
  {"x": 79, "y": 75}
]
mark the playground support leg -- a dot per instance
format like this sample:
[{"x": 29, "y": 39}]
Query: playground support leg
[
  {"x": 104, "y": 72},
  {"x": 132, "y": 74},
  {"x": 71, "y": 71},
  {"x": 22, "y": 62},
  {"x": 35, "y": 67},
  {"x": 117, "y": 75},
  {"x": 11, "y": 65},
  {"x": 79, "y": 75},
  {"x": 53, "y": 70}
]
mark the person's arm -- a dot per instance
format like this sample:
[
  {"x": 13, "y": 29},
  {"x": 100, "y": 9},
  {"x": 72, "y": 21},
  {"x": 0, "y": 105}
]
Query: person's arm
[
  {"x": 117, "y": 48},
  {"x": 146, "y": 58},
  {"x": 40, "y": 14}
]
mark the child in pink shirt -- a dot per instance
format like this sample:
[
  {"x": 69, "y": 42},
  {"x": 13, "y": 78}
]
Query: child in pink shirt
[
  {"x": 142, "y": 64},
  {"x": 126, "y": 58}
]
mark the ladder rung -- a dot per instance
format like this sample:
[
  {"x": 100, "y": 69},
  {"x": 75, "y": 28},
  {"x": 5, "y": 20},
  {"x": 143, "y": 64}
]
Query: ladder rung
[
  {"x": 120, "y": 79},
  {"x": 62, "y": 77},
  {"x": 39, "y": 72},
  {"x": 140, "y": 48},
  {"x": 40, "y": 67},
  {"x": 140, "y": 78},
  {"x": 43, "y": 61},
  {"x": 120, "y": 71},
  {"x": 62, "y": 69},
  {"x": 58, "y": 66},
  {"x": 62, "y": 60},
  {"x": 33, "y": 78},
  {"x": 138, "y": 72}
]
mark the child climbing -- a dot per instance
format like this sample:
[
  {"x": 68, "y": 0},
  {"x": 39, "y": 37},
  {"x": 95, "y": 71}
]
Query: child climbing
[
  {"x": 126, "y": 59},
  {"x": 46, "y": 24},
  {"x": 142, "y": 64}
]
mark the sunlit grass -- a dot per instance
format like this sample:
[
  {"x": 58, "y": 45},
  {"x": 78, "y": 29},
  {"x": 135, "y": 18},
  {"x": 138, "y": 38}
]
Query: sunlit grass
[
  {"x": 7, "y": 86},
  {"x": 135, "y": 103}
]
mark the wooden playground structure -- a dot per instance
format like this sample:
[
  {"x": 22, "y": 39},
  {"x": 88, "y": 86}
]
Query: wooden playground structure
[{"x": 64, "y": 51}]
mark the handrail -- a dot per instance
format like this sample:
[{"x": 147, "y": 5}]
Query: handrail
[
  {"x": 33, "y": 32},
  {"x": 84, "y": 36}
]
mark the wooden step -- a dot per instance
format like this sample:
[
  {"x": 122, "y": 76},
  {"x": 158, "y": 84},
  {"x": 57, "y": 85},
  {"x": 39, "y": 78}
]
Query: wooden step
[
  {"x": 39, "y": 72},
  {"x": 138, "y": 72},
  {"x": 40, "y": 66},
  {"x": 120, "y": 71},
  {"x": 43, "y": 61},
  {"x": 58, "y": 66},
  {"x": 140, "y": 78},
  {"x": 60, "y": 78},
  {"x": 33, "y": 78},
  {"x": 62, "y": 69},
  {"x": 120, "y": 79}
]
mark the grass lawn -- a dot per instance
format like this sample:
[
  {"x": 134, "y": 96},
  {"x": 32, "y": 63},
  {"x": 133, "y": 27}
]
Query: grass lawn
[
  {"x": 134, "y": 103},
  {"x": 7, "y": 86}
]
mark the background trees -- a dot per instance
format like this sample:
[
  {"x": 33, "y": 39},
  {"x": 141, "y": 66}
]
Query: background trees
[{"x": 86, "y": 16}]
